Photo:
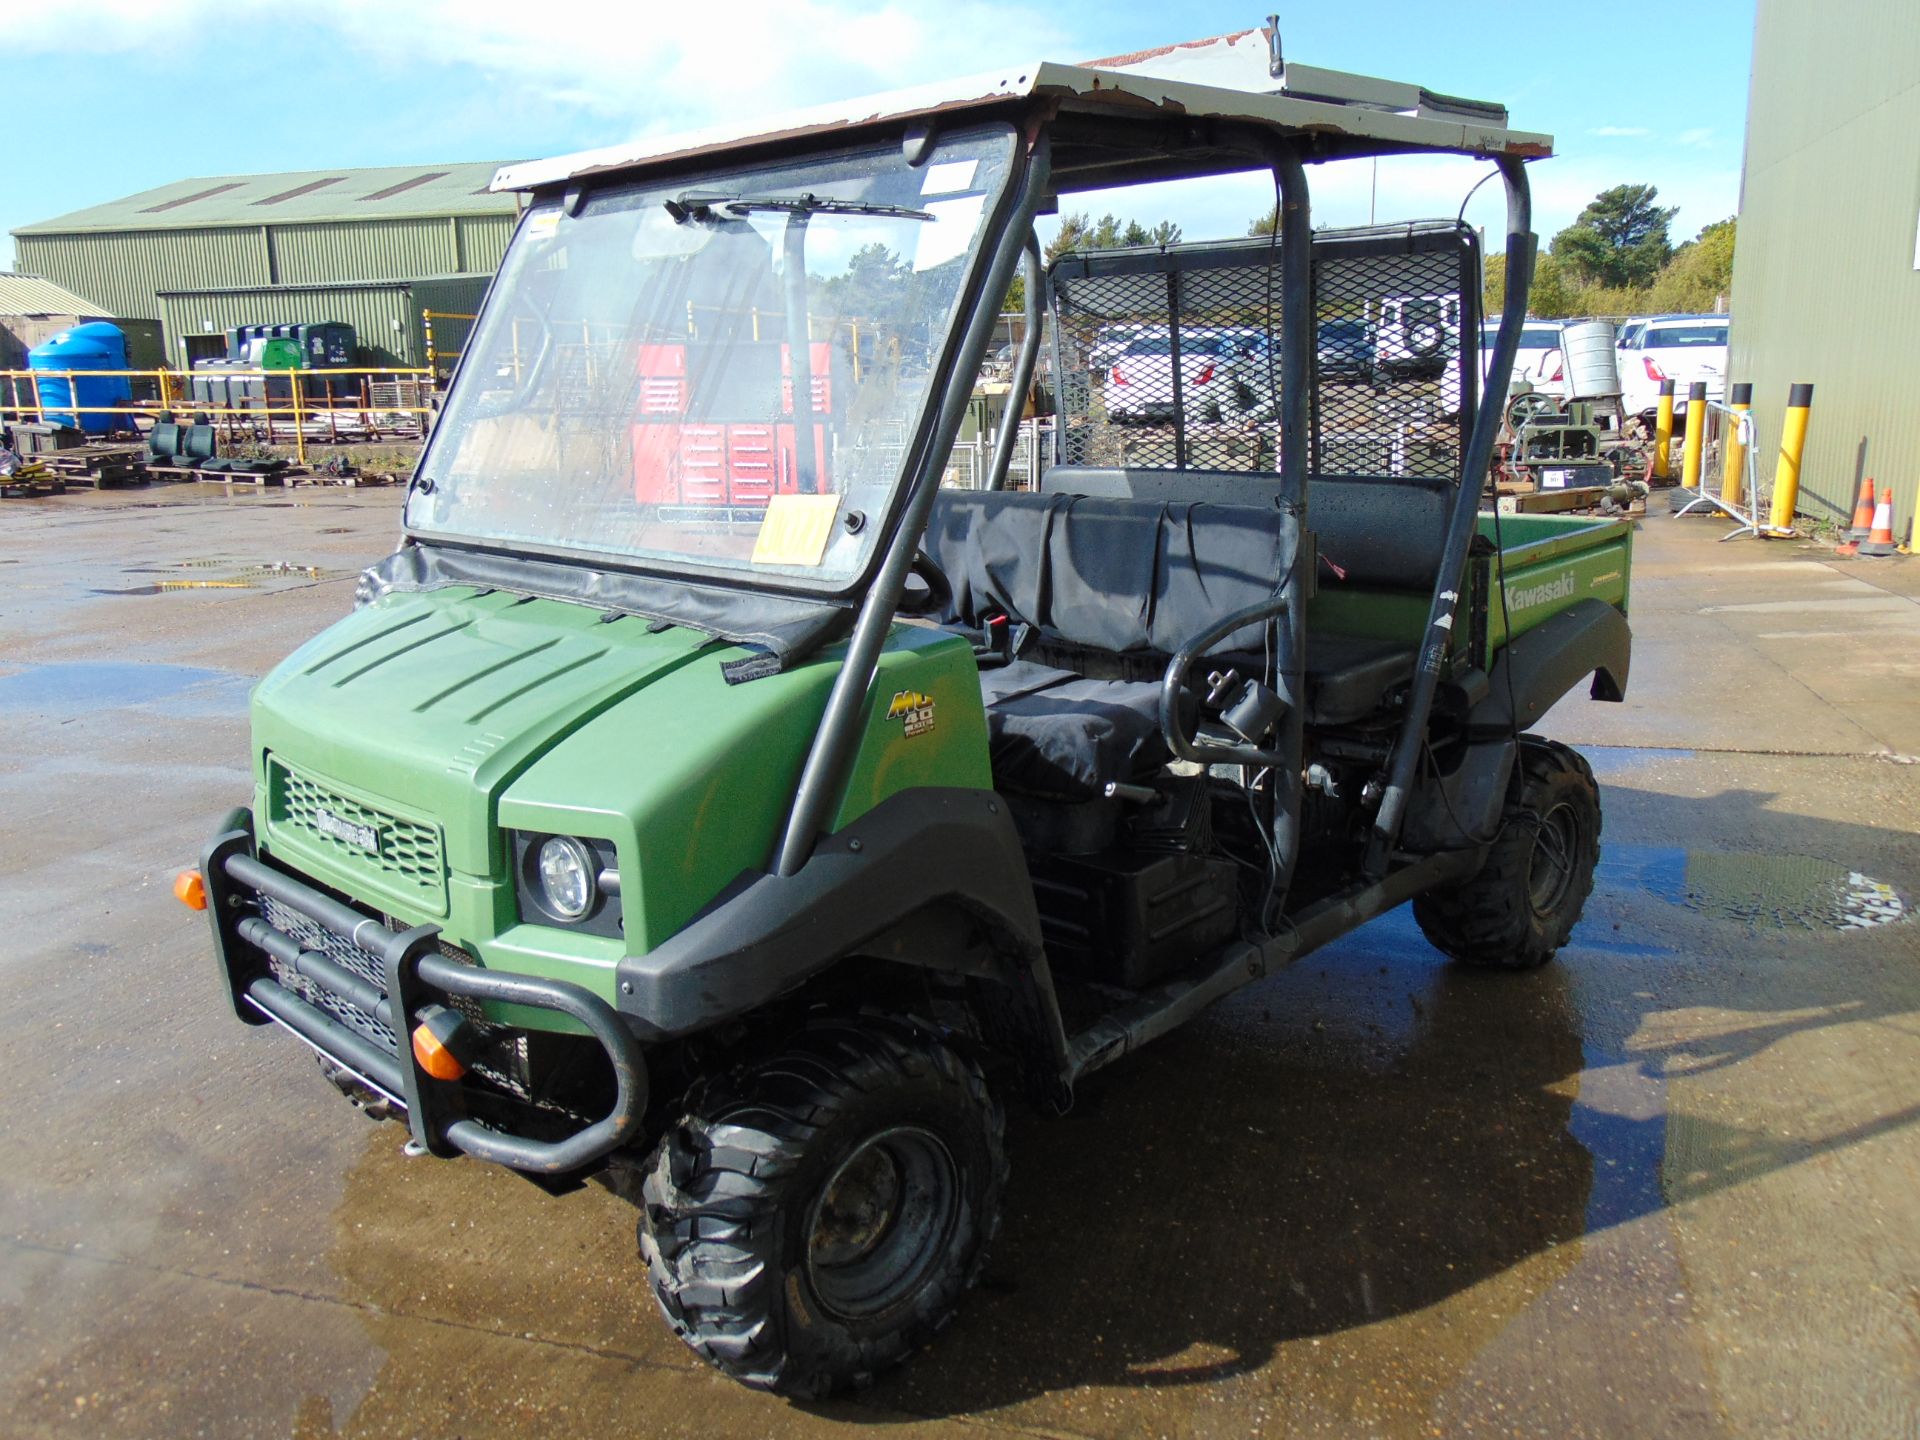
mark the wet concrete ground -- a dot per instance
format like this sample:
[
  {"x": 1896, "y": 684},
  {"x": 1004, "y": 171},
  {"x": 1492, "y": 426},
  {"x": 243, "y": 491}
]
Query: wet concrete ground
[{"x": 1670, "y": 1185}]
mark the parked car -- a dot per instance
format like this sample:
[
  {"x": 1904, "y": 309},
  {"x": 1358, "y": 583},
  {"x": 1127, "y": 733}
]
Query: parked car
[
  {"x": 1539, "y": 361},
  {"x": 1110, "y": 342},
  {"x": 1140, "y": 382},
  {"x": 1416, "y": 334},
  {"x": 1680, "y": 348},
  {"x": 1346, "y": 350},
  {"x": 1632, "y": 327}
]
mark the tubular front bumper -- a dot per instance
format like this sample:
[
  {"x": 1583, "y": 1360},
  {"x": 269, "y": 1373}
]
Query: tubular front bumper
[{"x": 241, "y": 888}]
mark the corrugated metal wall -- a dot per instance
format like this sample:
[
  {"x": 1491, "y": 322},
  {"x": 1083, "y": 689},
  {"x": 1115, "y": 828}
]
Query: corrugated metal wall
[
  {"x": 483, "y": 242},
  {"x": 374, "y": 250},
  {"x": 455, "y": 295},
  {"x": 1826, "y": 279},
  {"x": 125, "y": 270}
]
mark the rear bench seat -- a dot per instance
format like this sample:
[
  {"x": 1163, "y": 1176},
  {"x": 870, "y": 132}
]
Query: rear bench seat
[{"x": 1120, "y": 577}]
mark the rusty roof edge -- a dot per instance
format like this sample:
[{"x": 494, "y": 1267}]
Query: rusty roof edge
[{"x": 1081, "y": 87}]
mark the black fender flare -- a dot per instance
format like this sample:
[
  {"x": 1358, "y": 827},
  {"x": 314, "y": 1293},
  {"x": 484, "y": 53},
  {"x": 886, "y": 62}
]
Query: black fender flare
[
  {"x": 1589, "y": 637},
  {"x": 916, "y": 851}
]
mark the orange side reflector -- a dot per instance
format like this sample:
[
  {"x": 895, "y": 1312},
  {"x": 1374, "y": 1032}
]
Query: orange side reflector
[
  {"x": 190, "y": 890},
  {"x": 435, "y": 1058}
]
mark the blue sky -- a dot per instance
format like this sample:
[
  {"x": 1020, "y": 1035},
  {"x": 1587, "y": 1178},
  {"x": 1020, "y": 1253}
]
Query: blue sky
[{"x": 114, "y": 96}]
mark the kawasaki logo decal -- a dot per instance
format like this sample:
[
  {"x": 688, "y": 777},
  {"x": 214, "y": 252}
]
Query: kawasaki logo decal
[
  {"x": 347, "y": 832},
  {"x": 913, "y": 710},
  {"x": 1525, "y": 597}
]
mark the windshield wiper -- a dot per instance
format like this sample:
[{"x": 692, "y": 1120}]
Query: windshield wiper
[{"x": 701, "y": 207}]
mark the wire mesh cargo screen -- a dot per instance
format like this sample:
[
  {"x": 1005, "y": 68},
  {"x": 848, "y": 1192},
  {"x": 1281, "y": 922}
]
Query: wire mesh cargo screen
[{"x": 1168, "y": 359}]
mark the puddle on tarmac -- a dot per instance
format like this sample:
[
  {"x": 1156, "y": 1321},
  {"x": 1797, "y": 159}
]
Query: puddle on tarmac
[
  {"x": 1608, "y": 760},
  {"x": 1765, "y": 891},
  {"x": 111, "y": 685}
]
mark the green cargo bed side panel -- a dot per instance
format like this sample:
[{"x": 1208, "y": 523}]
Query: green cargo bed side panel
[{"x": 1548, "y": 564}]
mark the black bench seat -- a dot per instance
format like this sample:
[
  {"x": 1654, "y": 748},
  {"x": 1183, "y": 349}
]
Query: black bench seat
[{"x": 1135, "y": 579}]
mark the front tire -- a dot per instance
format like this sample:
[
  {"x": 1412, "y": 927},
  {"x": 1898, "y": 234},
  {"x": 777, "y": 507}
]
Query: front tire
[
  {"x": 815, "y": 1217},
  {"x": 1523, "y": 904}
]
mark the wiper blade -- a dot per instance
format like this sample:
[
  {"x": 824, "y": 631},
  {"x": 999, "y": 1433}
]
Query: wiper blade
[{"x": 693, "y": 206}]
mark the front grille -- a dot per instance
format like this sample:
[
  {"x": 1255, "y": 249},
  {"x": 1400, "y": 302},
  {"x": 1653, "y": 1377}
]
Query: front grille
[
  {"x": 500, "y": 1054},
  {"x": 343, "y": 952},
  {"x": 406, "y": 853}
]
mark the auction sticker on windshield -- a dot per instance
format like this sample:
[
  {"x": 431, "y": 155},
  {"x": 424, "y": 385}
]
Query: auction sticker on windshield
[{"x": 796, "y": 529}]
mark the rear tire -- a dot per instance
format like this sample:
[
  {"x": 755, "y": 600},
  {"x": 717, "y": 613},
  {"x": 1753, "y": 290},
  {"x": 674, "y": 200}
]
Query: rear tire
[
  {"x": 1523, "y": 904},
  {"x": 817, "y": 1216}
]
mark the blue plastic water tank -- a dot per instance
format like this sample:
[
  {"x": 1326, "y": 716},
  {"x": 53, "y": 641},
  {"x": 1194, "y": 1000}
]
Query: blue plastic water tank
[{"x": 93, "y": 346}]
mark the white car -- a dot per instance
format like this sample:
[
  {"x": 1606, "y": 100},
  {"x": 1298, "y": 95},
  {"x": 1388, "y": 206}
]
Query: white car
[
  {"x": 1538, "y": 361},
  {"x": 1140, "y": 380},
  {"x": 1110, "y": 342},
  {"x": 1680, "y": 348}
]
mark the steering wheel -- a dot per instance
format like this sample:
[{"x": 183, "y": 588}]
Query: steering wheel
[{"x": 935, "y": 595}]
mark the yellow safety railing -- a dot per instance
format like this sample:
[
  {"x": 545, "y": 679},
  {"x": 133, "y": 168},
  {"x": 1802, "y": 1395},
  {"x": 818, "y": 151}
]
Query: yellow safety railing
[
  {"x": 323, "y": 414},
  {"x": 434, "y": 354}
]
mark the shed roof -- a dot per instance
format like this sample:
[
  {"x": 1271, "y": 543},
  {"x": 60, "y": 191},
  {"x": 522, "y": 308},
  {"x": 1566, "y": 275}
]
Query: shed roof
[
  {"x": 381, "y": 193},
  {"x": 31, "y": 295},
  {"x": 1236, "y": 78}
]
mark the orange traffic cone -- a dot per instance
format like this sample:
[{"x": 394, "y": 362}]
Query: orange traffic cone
[
  {"x": 1863, "y": 513},
  {"x": 1880, "y": 542}
]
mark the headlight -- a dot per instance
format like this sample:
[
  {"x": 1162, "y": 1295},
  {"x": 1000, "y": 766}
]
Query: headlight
[{"x": 566, "y": 869}]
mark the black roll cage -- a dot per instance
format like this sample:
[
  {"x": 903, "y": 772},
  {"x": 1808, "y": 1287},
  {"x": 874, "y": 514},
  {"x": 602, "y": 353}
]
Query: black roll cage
[
  {"x": 831, "y": 755},
  {"x": 1120, "y": 152}
]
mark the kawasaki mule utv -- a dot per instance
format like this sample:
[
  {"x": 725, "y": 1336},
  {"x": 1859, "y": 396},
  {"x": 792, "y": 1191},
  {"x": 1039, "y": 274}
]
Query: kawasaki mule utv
[{"x": 704, "y": 794}]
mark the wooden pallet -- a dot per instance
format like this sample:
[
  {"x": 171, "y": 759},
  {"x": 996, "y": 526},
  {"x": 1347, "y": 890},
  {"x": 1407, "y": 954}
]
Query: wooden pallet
[
  {"x": 27, "y": 487},
  {"x": 104, "y": 468},
  {"x": 231, "y": 478}
]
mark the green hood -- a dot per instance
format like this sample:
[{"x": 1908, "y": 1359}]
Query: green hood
[{"x": 422, "y": 706}]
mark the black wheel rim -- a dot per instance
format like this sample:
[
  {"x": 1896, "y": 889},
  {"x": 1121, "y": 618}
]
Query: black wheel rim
[
  {"x": 882, "y": 1222},
  {"x": 1556, "y": 845}
]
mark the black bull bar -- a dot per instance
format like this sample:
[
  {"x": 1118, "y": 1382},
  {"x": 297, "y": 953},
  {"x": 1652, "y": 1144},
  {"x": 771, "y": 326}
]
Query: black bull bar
[{"x": 417, "y": 975}]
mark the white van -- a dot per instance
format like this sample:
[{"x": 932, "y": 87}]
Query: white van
[{"x": 1416, "y": 335}]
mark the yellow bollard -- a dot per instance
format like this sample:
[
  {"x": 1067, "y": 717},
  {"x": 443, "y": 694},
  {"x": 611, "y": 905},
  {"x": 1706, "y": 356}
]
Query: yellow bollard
[
  {"x": 1786, "y": 475},
  {"x": 1690, "y": 457},
  {"x": 299, "y": 422},
  {"x": 1663, "y": 434},
  {"x": 1733, "y": 468}
]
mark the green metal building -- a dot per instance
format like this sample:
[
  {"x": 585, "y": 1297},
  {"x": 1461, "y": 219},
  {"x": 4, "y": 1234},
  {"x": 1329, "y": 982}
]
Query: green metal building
[
  {"x": 1826, "y": 275},
  {"x": 371, "y": 248}
]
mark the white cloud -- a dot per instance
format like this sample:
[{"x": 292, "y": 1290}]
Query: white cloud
[
  {"x": 640, "y": 66},
  {"x": 1620, "y": 132},
  {"x": 1699, "y": 138}
]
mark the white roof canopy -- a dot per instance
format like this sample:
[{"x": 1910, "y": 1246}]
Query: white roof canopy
[{"x": 1233, "y": 78}]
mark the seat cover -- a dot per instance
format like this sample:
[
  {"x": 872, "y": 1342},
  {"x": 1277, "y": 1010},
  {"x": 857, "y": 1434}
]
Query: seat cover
[{"x": 1059, "y": 735}]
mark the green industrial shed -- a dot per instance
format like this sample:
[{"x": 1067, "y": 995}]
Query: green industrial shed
[
  {"x": 372, "y": 248},
  {"x": 1826, "y": 277}
]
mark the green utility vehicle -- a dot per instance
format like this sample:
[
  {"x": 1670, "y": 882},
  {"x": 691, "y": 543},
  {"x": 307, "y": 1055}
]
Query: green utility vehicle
[{"x": 706, "y": 799}]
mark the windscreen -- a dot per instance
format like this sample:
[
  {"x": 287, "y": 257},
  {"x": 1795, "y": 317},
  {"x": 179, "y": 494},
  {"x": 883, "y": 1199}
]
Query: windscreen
[{"x": 717, "y": 374}]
